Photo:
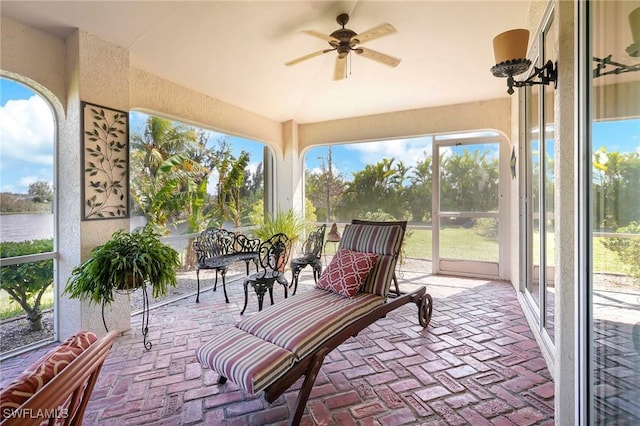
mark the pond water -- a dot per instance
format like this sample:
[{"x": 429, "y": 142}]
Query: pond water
[{"x": 24, "y": 227}]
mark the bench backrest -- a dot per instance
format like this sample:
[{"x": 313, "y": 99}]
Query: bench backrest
[
  {"x": 383, "y": 238},
  {"x": 214, "y": 242}
]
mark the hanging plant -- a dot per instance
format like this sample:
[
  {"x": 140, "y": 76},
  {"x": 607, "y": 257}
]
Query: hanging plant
[{"x": 124, "y": 263}]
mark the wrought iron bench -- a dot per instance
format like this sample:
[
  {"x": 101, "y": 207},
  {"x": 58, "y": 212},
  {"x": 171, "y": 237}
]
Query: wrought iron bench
[
  {"x": 272, "y": 349},
  {"x": 217, "y": 249}
]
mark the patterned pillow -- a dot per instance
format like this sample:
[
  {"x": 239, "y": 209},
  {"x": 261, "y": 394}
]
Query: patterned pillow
[
  {"x": 43, "y": 370},
  {"x": 347, "y": 271}
]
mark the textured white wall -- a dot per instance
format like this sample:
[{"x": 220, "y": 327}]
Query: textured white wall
[
  {"x": 103, "y": 80},
  {"x": 491, "y": 114},
  {"x": 35, "y": 55},
  {"x": 564, "y": 366},
  {"x": 82, "y": 67},
  {"x": 153, "y": 94}
]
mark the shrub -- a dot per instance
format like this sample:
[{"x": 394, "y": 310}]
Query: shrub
[
  {"x": 486, "y": 227},
  {"x": 627, "y": 248},
  {"x": 27, "y": 282}
]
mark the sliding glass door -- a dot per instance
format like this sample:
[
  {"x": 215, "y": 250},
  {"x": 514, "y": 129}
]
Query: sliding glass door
[
  {"x": 538, "y": 189},
  {"x": 467, "y": 209},
  {"x": 610, "y": 203}
]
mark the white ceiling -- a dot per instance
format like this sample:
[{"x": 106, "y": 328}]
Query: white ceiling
[{"x": 235, "y": 50}]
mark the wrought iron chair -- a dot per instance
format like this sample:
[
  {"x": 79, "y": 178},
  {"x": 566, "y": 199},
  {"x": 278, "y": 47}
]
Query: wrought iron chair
[
  {"x": 311, "y": 252},
  {"x": 272, "y": 255}
]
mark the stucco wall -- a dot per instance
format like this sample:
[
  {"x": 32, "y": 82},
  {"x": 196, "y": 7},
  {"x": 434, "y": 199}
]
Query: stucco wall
[
  {"x": 35, "y": 55},
  {"x": 153, "y": 94},
  {"x": 491, "y": 114}
]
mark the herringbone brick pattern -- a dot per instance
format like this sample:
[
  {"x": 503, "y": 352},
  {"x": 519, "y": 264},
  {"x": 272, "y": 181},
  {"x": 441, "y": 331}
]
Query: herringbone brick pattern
[{"x": 476, "y": 364}]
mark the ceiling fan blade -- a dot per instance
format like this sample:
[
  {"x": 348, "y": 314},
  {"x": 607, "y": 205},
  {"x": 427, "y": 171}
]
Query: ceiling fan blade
[
  {"x": 379, "y": 57},
  {"x": 321, "y": 36},
  {"x": 309, "y": 56},
  {"x": 341, "y": 68},
  {"x": 374, "y": 33}
]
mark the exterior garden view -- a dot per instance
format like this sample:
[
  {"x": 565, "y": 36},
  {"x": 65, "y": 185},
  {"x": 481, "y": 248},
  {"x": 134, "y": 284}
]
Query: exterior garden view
[{"x": 183, "y": 180}]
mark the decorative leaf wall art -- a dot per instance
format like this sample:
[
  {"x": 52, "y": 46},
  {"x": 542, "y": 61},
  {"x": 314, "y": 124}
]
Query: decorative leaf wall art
[{"x": 105, "y": 135}]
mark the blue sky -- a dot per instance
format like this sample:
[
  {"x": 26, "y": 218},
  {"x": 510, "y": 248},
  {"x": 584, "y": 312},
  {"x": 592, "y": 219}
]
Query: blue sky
[{"x": 27, "y": 128}]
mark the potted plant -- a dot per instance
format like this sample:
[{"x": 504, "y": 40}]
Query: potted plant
[
  {"x": 124, "y": 263},
  {"x": 288, "y": 223}
]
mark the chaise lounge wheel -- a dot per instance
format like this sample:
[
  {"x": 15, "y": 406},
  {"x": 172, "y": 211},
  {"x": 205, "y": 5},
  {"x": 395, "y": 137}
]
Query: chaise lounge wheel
[
  {"x": 222, "y": 380},
  {"x": 425, "y": 310}
]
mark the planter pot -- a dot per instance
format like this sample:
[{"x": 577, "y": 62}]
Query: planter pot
[{"x": 131, "y": 283}]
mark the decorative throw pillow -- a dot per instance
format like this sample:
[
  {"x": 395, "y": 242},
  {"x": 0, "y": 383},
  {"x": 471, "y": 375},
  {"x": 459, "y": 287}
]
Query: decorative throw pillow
[
  {"x": 43, "y": 370},
  {"x": 347, "y": 271}
]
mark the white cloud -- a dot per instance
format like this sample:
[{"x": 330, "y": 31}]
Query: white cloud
[
  {"x": 26, "y": 131},
  {"x": 25, "y": 181},
  {"x": 409, "y": 151}
]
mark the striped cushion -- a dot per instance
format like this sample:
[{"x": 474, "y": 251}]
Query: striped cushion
[
  {"x": 384, "y": 240},
  {"x": 301, "y": 323},
  {"x": 248, "y": 361}
]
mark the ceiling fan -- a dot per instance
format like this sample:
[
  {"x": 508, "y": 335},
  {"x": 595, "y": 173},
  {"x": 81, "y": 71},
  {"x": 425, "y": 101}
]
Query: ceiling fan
[{"x": 345, "y": 41}]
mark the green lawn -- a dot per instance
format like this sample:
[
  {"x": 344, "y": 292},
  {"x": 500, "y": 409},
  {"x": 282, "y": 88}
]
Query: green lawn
[
  {"x": 460, "y": 243},
  {"x": 464, "y": 243}
]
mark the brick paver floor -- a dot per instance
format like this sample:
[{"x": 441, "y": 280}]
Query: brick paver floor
[{"x": 476, "y": 364}]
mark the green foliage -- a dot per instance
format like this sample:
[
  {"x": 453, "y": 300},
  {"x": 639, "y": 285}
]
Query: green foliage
[
  {"x": 41, "y": 191},
  {"x": 380, "y": 185},
  {"x": 627, "y": 248},
  {"x": 616, "y": 189},
  {"x": 170, "y": 167},
  {"x": 325, "y": 188},
  {"x": 123, "y": 263},
  {"x": 486, "y": 227},
  {"x": 469, "y": 182},
  {"x": 309, "y": 212},
  {"x": 167, "y": 177},
  {"x": 379, "y": 216},
  {"x": 26, "y": 283},
  {"x": 419, "y": 192},
  {"x": 231, "y": 177},
  {"x": 256, "y": 215},
  {"x": 289, "y": 223}
]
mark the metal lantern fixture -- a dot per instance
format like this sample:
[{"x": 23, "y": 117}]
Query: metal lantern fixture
[{"x": 510, "y": 50}]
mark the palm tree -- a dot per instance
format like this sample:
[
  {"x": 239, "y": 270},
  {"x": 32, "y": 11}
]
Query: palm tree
[
  {"x": 166, "y": 179},
  {"x": 231, "y": 175}
]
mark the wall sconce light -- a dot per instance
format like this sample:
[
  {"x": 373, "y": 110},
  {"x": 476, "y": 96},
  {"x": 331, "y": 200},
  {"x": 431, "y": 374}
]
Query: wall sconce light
[
  {"x": 510, "y": 51},
  {"x": 633, "y": 50}
]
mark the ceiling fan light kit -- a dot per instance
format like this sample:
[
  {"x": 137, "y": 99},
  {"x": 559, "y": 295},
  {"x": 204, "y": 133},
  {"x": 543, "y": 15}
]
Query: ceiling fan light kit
[{"x": 344, "y": 41}]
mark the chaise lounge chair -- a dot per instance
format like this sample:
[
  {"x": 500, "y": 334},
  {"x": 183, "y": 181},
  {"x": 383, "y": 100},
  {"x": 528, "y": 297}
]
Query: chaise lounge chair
[
  {"x": 272, "y": 349},
  {"x": 55, "y": 390}
]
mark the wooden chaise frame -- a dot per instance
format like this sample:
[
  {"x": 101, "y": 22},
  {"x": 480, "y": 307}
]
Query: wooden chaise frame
[
  {"x": 76, "y": 380},
  {"x": 309, "y": 366}
]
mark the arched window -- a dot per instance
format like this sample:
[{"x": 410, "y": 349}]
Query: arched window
[{"x": 27, "y": 230}]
